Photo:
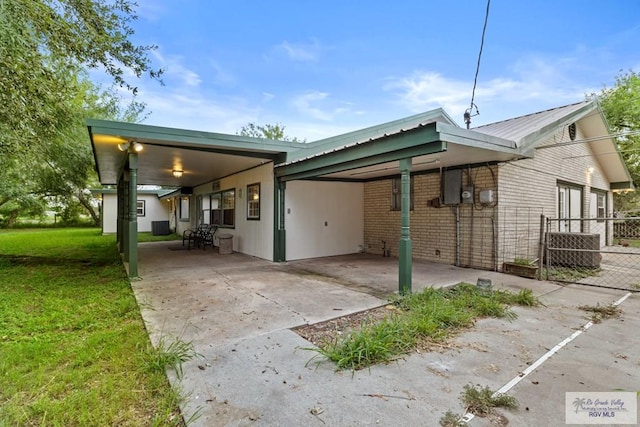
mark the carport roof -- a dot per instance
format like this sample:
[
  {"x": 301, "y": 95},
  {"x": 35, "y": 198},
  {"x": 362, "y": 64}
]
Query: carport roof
[{"x": 203, "y": 156}]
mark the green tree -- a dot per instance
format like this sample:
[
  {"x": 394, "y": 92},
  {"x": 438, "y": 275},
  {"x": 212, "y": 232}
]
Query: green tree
[
  {"x": 267, "y": 131},
  {"x": 621, "y": 106},
  {"x": 45, "y": 48}
]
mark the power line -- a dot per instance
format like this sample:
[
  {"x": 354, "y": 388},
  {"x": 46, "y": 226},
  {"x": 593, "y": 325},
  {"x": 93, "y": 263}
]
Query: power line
[
  {"x": 467, "y": 114},
  {"x": 595, "y": 138}
]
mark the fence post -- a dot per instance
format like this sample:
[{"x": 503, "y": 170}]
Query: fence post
[{"x": 541, "y": 247}]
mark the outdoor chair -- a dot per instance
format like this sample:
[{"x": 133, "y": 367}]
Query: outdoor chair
[
  {"x": 207, "y": 236},
  {"x": 192, "y": 236}
]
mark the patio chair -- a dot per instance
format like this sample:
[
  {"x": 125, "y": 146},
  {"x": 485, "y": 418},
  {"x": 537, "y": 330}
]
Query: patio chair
[
  {"x": 207, "y": 236},
  {"x": 192, "y": 236}
]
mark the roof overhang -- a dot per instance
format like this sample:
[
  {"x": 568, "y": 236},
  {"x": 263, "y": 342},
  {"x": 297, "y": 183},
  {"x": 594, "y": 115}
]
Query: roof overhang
[
  {"x": 431, "y": 145},
  {"x": 202, "y": 156},
  {"x": 605, "y": 149}
]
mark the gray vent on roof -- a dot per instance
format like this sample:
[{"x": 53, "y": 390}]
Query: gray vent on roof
[{"x": 572, "y": 131}]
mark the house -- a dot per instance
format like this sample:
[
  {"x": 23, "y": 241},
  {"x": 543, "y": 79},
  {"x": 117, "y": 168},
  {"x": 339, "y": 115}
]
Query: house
[
  {"x": 420, "y": 187},
  {"x": 150, "y": 208}
]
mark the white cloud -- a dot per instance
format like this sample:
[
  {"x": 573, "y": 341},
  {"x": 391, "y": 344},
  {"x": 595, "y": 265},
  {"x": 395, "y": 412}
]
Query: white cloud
[
  {"x": 300, "y": 52},
  {"x": 151, "y": 10},
  {"x": 266, "y": 97},
  {"x": 174, "y": 108},
  {"x": 175, "y": 70},
  {"x": 530, "y": 85},
  {"x": 318, "y": 105},
  {"x": 220, "y": 75}
]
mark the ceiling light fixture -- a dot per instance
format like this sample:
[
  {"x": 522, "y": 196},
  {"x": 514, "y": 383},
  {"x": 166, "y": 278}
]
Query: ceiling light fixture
[{"x": 177, "y": 173}]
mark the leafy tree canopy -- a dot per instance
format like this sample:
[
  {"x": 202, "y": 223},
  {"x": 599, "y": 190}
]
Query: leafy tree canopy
[
  {"x": 45, "y": 48},
  {"x": 621, "y": 106},
  {"x": 43, "y": 45},
  {"x": 267, "y": 131}
]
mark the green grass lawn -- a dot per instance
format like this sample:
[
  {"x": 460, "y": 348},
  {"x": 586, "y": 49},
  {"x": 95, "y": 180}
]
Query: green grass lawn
[{"x": 73, "y": 347}]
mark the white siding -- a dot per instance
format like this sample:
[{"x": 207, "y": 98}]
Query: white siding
[
  {"x": 533, "y": 182},
  {"x": 323, "y": 218},
  {"x": 251, "y": 237},
  {"x": 155, "y": 210},
  {"x": 109, "y": 213}
]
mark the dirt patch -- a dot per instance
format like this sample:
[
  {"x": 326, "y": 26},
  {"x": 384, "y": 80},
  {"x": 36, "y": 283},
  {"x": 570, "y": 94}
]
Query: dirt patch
[{"x": 330, "y": 330}]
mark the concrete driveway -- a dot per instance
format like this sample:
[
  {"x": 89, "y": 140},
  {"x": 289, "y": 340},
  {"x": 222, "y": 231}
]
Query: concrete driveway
[{"x": 238, "y": 311}]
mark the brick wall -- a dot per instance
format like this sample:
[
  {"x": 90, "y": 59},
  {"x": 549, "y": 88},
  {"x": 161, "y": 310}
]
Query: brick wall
[
  {"x": 488, "y": 234},
  {"x": 433, "y": 229}
]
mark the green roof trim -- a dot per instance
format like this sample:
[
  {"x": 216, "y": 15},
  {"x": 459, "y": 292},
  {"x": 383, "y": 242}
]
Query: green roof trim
[
  {"x": 372, "y": 133},
  {"x": 415, "y": 142},
  {"x": 190, "y": 138}
]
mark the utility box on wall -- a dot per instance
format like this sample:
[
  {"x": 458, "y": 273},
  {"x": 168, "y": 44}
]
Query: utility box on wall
[{"x": 452, "y": 186}]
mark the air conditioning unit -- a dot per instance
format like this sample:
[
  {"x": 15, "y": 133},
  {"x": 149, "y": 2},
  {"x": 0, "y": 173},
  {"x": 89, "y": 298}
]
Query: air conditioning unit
[{"x": 574, "y": 249}]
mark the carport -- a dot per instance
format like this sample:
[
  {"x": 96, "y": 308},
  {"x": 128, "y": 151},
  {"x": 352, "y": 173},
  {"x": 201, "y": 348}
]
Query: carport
[
  {"x": 419, "y": 143},
  {"x": 127, "y": 155}
]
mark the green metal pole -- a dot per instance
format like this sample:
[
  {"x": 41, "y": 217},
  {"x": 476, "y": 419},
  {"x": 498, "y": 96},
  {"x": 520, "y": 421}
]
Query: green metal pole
[
  {"x": 279, "y": 232},
  {"x": 404, "y": 246},
  {"x": 133, "y": 214}
]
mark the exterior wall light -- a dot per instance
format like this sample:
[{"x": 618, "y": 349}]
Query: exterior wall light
[
  {"x": 177, "y": 173},
  {"x": 131, "y": 146}
]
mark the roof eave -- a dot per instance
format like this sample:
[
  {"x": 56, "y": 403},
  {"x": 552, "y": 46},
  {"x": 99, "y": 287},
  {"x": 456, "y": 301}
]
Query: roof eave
[{"x": 542, "y": 134}]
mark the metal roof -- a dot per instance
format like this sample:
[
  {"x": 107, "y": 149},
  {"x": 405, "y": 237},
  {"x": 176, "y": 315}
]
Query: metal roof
[
  {"x": 362, "y": 136},
  {"x": 530, "y": 128}
]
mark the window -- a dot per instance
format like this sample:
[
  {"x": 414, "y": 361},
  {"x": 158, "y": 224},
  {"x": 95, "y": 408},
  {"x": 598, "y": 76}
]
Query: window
[
  {"x": 253, "y": 201},
  {"x": 396, "y": 194},
  {"x": 601, "y": 206},
  {"x": 140, "y": 208},
  {"x": 206, "y": 209},
  {"x": 223, "y": 208},
  {"x": 184, "y": 208}
]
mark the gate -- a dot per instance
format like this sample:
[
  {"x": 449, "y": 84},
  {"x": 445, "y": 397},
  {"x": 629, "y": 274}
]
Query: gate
[{"x": 605, "y": 253}]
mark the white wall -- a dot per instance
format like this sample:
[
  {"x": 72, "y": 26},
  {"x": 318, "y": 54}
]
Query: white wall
[
  {"x": 109, "y": 213},
  {"x": 155, "y": 210},
  {"x": 251, "y": 237},
  {"x": 323, "y": 218}
]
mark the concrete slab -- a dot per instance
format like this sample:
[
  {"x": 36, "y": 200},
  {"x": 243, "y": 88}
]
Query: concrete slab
[{"x": 238, "y": 311}]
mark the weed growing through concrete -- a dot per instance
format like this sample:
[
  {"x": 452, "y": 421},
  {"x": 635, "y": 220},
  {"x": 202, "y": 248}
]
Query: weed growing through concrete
[
  {"x": 428, "y": 316},
  {"x": 450, "y": 419},
  {"x": 601, "y": 312},
  {"x": 168, "y": 355},
  {"x": 481, "y": 401}
]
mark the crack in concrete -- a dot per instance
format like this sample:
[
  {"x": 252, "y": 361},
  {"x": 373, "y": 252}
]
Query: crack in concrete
[{"x": 289, "y": 309}]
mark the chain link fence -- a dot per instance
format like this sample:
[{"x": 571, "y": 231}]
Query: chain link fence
[{"x": 605, "y": 252}]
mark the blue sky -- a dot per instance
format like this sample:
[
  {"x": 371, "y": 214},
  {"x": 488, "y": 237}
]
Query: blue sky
[{"x": 321, "y": 68}]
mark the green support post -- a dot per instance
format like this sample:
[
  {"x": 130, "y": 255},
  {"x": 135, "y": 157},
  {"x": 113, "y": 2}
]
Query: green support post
[
  {"x": 404, "y": 246},
  {"x": 132, "y": 231},
  {"x": 279, "y": 233}
]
